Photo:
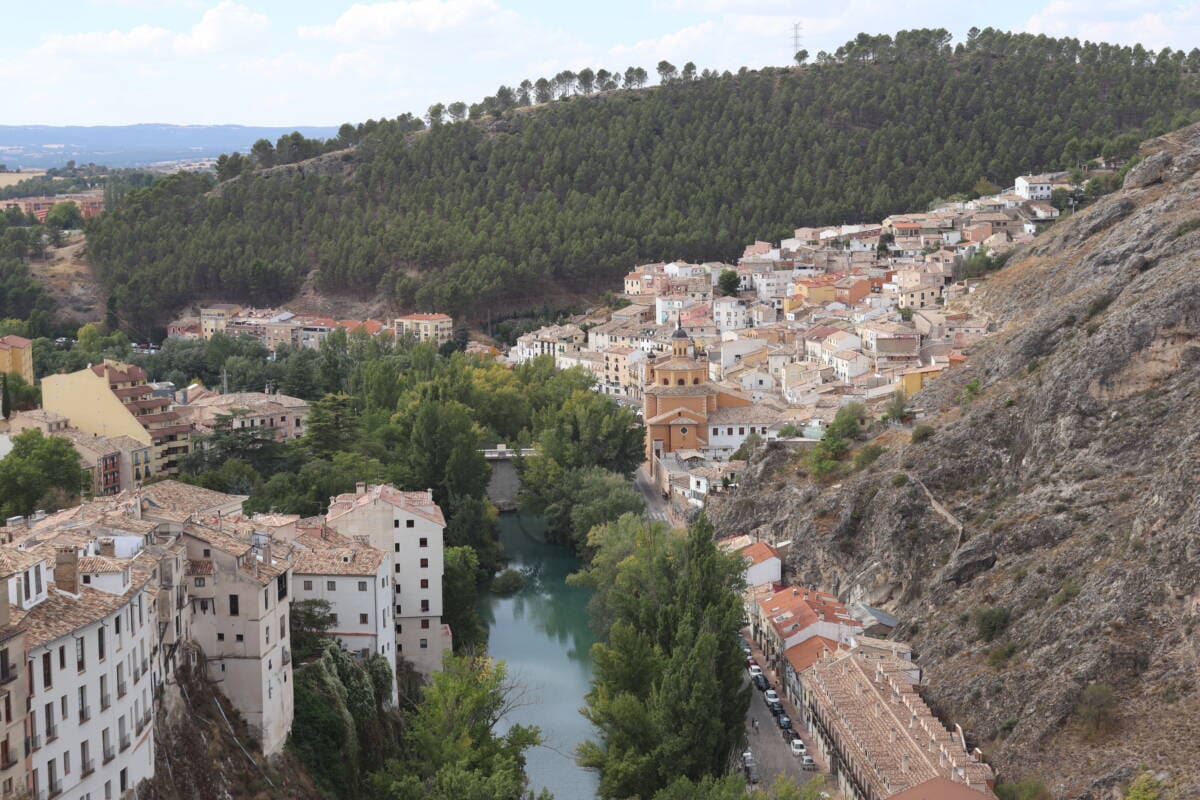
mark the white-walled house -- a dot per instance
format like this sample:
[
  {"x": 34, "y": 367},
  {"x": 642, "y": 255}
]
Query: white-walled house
[
  {"x": 408, "y": 526},
  {"x": 91, "y": 702},
  {"x": 1034, "y": 187},
  {"x": 356, "y": 582},
  {"x": 763, "y": 564}
]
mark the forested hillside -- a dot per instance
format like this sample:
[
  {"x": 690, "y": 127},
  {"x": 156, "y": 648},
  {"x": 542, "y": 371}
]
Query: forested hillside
[{"x": 575, "y": 191}]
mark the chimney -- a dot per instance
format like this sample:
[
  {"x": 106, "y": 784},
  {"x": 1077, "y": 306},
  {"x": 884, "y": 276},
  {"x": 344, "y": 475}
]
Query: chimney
[
  {"x": 904, "y": 763},
  {"x": 360, "y": 488},
  {"x": 107, "y": 547},
  {"x": 66, "y": 569}
]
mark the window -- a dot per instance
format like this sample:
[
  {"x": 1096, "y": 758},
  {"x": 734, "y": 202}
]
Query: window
[
  {"x": 282, "y": 626},
  {"x": 362, "y": 619},
  {"x": 425, "y": 624},
  {"x": 87, "y": 578},
  {"x": 267, "y": 632},
  {"x": 716, "y": 431},
  {"x": 62, "y": 657},
  {"x": 397, "y": 566},
  {"x": 308, "y": 586},
  {"x": 220, "y": 637},
  {"x": 47, "y": 676},
  {"x": 199, "y": 581},
  {"x": 397, "y": 547},
  {"x": 233, "y": 605},
  {"x": 207, "y": 553},
  {"x": 362, "y": 586},
  {"x": 741, "y": 431},
  {"x": 424, "y": 562},
  {"x": 239, "y": 637},
  {"x": 425, "y": 605},
  {"x": 423, "y": 542},
  {"x": 683, "y": 430},
  {"x": 37, "y": 578},
  {"x": 424, "y": 583},
  {"x": 424, "y": 644},
  {"x": 333, "y": 618},
  {"x": 395, "y": 523},
  {"x": 117, "y": 622},
  {"x": 410, "y": 523},
  {"x": 331, "y": 585}
]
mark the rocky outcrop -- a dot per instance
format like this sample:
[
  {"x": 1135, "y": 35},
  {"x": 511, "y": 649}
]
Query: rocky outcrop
[{"x": 1073, "y": 472}]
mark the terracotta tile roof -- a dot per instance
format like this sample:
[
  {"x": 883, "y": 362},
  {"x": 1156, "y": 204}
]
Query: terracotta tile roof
[
  {"x": 182, "y": 497},
  {"x": 759, "y": 552},
  {"x": 199, "y": 568},
  {"x": 417, "y": 503},
  {"x": 13, "y": 560},
  {"x": 339, "y": 561},
  {"x": 872, "y": 709},
  {"x": 218, "y": 539},
  {"x": 425, "y": 318},
  {"x": 804, "y": 655},
  {"x": 94, "y": 565},
  {"x": 795, "y": 608},
  {"x": 12, "y": 340},
  {"x": 60, "y": 613},
  {"x": 940, "y": 789}
]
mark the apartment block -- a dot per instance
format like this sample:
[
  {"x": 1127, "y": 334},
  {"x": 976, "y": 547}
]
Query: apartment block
[
  {"x": 408, "y": 526},
  {"x": 436, "y": 328},
  {"x": 279, "y": 416},
  {"x": 113, "y": 399}
]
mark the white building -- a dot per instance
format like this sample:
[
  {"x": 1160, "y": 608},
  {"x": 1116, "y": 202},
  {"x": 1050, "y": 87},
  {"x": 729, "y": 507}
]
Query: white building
[
  {"x": 729, "y": 313},
  {"x": 763, "y": 564},
  {"x": 90, "y": 633},
  {"x": 1034, "y": 187},
  {"x": 408, "y": 526},
  {"x": 356, "y": 582}
]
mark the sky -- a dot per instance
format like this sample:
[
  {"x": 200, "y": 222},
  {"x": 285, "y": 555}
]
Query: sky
[{"x": 324, "y": 62}]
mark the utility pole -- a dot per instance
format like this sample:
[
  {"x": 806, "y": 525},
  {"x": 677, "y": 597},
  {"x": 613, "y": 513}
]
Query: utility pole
[{"x": 797, "y": 30}]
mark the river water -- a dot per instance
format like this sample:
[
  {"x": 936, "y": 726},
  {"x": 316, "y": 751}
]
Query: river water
[{"x": 542, "y": 633}]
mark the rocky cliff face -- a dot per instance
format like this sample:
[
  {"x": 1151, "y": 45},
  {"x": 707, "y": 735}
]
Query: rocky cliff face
[{"x": 1063, "y": 490}]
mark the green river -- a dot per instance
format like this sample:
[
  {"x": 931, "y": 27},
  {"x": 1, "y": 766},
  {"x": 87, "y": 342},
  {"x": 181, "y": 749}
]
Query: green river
[{"x": 543, "y": 634}]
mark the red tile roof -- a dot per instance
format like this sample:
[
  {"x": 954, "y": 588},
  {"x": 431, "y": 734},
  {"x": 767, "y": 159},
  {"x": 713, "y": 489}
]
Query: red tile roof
[{"x": 759, "y": 552}]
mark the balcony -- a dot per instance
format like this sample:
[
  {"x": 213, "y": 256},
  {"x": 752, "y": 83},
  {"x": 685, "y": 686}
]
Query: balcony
[
  {"x": 7, "y": 761},
  {"x": 8, "y": 675},
  {"x": 109, "y": 755},
  {"x": 80, "y": 666},
  {"x": 138, "y": 726},
  {"x": 85, "y": 713},
  {"x": 55, "y": 787},
  {"x": 89, "y": 766},
  {"x": 105, "y": 701},
  {"x": 125, "y": 740},
  {"x": 145, "y": 665},
  {"x": 33, "y": 742},
  {"x": 51, "y": 732},
  {"x": 146, "y": 717},
  {"x": 121, "y": 688},
  {"x": 287, "y": 656}
]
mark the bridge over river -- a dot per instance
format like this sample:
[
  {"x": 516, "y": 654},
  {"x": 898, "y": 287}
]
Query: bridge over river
[{"x": 505, "y": 483}]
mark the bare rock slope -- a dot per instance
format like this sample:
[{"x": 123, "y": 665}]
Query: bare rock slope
[{"x": 1062, "y": 490}]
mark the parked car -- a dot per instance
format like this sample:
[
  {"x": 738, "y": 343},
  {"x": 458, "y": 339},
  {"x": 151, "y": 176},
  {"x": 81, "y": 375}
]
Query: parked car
[
  {"x": 755, "y": 670},
  {"x": 771, "y": 696},
  {"x": 761, "y": 683},
  {"x": 776, "y": 707},
  {"x": 806, "y": 763},
  {"x": 784, "y": 721},
  {"x": 798, "y": 748},
  {"x": 750, "y": 766}
]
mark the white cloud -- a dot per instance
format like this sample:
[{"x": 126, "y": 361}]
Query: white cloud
[
  {"x": 223, "y": 27},
  {"x": 143, "y": 38},
  {"x": 378, "y": 22},
  {"x": 1153, "y": 23}
]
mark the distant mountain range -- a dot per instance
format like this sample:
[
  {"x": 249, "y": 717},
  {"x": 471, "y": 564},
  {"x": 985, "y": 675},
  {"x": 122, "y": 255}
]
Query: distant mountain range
[{"x": 42, "y": 146}]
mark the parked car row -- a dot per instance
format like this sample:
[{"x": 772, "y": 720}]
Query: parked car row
[{"x": 771, "y": 699}]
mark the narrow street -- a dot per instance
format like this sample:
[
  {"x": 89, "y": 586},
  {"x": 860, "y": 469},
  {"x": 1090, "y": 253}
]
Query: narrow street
[
  {"x": 772, "y": 752},
  {"x": 657, "y": 509}
]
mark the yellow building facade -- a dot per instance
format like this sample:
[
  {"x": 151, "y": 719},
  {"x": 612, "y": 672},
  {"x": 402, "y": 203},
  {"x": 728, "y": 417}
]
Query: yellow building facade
[{"x": 16, "y": 355}]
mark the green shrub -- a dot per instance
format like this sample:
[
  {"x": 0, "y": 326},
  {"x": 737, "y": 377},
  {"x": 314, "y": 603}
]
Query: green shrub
[
  {"x": 1187, "y": 227},
  {"x": 921, "y": 433},
  {"x": 970, "y": 392},
  {"x": 990, "y": 622},
  {"x": 1028, "y": 789},
  {"x": 899, "y": 479},
  {"x": 999, "y": 656},
  {"x": 510, "y": 581},
  {"x": 1068, "y": 592},
  {"x": 1096, "y": 708},
  {"x": 868, "y": 455}
]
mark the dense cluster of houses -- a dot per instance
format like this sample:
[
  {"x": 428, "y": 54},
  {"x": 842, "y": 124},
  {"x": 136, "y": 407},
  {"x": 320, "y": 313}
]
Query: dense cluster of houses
[
  {"x": 275, "y": 327},
  {"x": 792, "y": 332},
  {"x": 102, "y": 603}
]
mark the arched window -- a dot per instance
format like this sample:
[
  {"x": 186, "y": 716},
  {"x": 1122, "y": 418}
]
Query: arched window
[
  {"x": 683, "y": 431},
  {"x": 680, "y": 382},
  {"x": 695, "y": 381}
]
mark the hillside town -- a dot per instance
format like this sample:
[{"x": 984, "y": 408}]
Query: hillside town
[{"x": 774, "y": 345}]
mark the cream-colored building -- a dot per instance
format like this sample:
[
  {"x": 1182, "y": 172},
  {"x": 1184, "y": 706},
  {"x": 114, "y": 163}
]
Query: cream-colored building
[
  {"x": 241, "y": 598},
  {"x": 113, "y": 399},
  {"x": 16, "y": 355},
  {"x": 408, "y": 527},
  {"x": 13, "y": 681},
  {"x": 436, "y": 328},
  {"x": 214, "y": 318},
  {"x": 279, "y": 415}
]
